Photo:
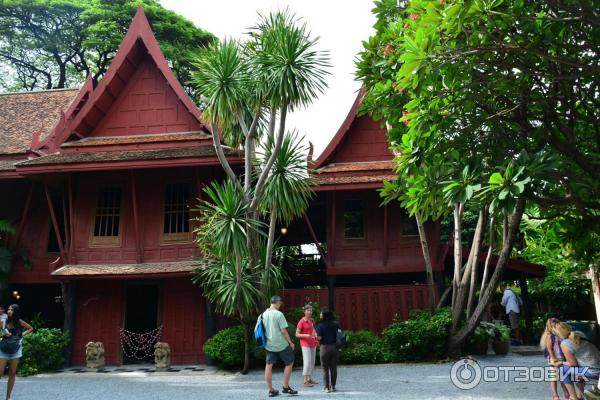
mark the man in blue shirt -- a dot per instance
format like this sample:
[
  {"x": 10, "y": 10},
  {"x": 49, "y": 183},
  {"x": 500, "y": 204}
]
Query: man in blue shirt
[{"x": 512, "y": 304}]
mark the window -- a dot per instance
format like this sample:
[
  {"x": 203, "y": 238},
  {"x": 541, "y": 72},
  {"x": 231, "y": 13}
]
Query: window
[
  {"x": 108, "y": 217},
  {"x": 176, "y": 225},
  {"x": 354, "y": 224},
  {"x": 408, "y": 225}
]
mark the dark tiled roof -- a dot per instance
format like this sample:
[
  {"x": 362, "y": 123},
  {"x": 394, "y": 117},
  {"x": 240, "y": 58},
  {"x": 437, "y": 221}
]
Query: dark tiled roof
[
  {"x": 135, "y": 139},
  {"x": 75, "y": 158},
  {"x": 357, "y": 166},
  {"x": 22, "y": 114},
  {"x": 342, "y": 180},
  {"x": 83, "y": 270}
]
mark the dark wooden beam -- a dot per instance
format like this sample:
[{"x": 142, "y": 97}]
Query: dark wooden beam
[
  {"x": 331, "y": 245},
  {"x": 385, "y": 235},
  {"x": 138, "y": 247},
  {"x": 315, "y": 240},
  {"x": 55, "y": 224},
  {"x": 69, "y": 295},
  {"x": 24, "y": 215},
  {"x": 72, "y": 256},
  {"x": 66, "y": 225}
]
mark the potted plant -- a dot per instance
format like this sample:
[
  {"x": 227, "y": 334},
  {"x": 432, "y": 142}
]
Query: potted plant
[
  {"x": 481, "y": 338},
  {"x": 501, "y": 342}
]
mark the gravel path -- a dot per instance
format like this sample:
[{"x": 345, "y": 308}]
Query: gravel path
[{"x": 398, "y": 381}]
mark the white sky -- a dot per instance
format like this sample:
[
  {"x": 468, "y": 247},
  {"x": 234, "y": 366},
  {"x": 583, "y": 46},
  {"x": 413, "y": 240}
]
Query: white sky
[{"x": 342, "y": 25}]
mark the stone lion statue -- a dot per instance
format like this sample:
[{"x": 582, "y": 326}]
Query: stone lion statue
[
  {"x": 162, "y": 355},
  {"x": 94, "y": 355}
]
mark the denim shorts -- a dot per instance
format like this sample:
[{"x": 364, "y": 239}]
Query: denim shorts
[{"x": 17, "y": 354}]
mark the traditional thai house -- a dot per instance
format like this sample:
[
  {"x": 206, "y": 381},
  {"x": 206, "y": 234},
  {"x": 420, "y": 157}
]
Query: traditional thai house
[{"x": 99, "y": 181}]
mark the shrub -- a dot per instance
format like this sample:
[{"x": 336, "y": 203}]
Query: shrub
[
  {"x": 227, "y": 347},
  {"x": 422, "y": 337},
  {"x": 43, "y": 351},
  {"x": 364, "y": 347}
]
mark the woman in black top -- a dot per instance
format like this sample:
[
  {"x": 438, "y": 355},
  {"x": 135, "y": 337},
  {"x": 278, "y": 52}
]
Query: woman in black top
[
  {"x": 15, "y": 326},
  {"x": 327, "y": 333}
]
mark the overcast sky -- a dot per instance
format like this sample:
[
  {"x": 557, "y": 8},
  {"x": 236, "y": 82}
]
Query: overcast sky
[{"x": 342, "y": 26}]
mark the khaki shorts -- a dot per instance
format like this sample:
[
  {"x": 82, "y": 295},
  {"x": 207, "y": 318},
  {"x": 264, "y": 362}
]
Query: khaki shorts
[{"x": 286, "y": 355}]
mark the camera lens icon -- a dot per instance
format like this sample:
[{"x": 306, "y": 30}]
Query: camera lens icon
[{"x": 466, "y": 374}]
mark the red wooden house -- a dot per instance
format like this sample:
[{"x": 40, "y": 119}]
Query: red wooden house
[{"x": 99, "y": 182}]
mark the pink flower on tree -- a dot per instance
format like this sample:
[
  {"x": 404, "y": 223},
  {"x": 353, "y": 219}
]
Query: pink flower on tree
[
  {"x": 404, "y": 114},
  {"x": 413, "y": 16}
]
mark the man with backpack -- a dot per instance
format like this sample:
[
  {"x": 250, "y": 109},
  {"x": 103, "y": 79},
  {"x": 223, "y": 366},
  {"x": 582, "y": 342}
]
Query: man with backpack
[
  {"x": 279, "y": 345},
  {"x": 512, "y": 304}
]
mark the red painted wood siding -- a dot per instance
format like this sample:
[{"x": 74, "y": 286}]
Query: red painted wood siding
[
  {"x": 364, "y": 141},
  {"x": 150, "y": 189},
  {"x": 183, "y": 320},
  {"x": 99, "y": 317},
  {"x": 146, "y": 105},
  {"x": 368, "y": 255},
  {"x": 368, "y": 307}
]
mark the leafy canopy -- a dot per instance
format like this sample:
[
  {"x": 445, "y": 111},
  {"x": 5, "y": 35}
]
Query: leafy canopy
[{"x": 46, "y": 44}]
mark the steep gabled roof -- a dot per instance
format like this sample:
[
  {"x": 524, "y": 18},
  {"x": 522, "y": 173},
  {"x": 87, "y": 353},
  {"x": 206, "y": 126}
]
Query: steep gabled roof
[
  {"x": 139, "y": 44},
  {"x": 24, "y": 114},
  {"x": 340, "y": 134}
]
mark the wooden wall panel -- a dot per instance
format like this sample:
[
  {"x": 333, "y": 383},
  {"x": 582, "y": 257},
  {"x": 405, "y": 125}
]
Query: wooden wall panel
[
  {"x": 365, "y": 141},
  {"x": 367, "y": 307},
  {"x": 183, "y": 320},
  {"x": 148, "y": 105},
  {"x": 99, "y": 317}
]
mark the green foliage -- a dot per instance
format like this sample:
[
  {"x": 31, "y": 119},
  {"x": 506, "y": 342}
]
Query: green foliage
[
  {"x": 565, "y": 272},
  {"x": 43, "y": 351},
  {"x": 463, "y": 84},
  {"x": 484, "y": 331},
  {"x": 364, "y": 347},
  {"x": 503, "y": 333},
  {"x": 57, "y": 43},
  {"x": 424, "y": 336},
  {"x": 226, "y": 347},
  {"x": 289, "y": 188}
]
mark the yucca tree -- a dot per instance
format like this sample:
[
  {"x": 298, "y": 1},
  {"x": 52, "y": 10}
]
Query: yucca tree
[
  {"x": 226, "y": 274},
  {"x": 247, "y": 89}
]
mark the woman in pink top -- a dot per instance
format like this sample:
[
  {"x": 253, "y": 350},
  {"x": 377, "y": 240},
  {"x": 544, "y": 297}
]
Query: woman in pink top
[{"x": 305, "y": 331}]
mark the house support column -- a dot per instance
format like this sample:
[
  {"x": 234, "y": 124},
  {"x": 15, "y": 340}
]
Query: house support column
[
  {"x": 331, "y": 291},
  {"x": 138, "y": 247},
  {"x": 69, "y": 295},
  {"x": 210, "y": 317},
  {"x": 527, "y": 310}
]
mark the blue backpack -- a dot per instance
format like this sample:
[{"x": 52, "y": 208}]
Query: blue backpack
[{"x": 259, "y": 333}]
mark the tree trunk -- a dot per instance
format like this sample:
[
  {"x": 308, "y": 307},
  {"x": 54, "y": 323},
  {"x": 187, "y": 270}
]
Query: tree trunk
[
  {"x": 477, "y": 239},
  {"x": 457, "y": 340},
  {"x": 488, "y": 258},
  {"x": 593, "y": 274},
  {"x": 457, "y": 251},
  {"x": 247, "y": 346},
  {"x": 269, "y": 251},
  {"x": 427, "y": 257}
]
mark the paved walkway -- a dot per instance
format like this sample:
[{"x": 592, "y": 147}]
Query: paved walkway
[{"x": 398, "y": 381}]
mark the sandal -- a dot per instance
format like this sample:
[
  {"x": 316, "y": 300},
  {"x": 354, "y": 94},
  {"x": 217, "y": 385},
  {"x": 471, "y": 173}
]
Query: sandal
[
  {"x": 273, "y": 393},
  {"x": 310, "y": 384}
]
